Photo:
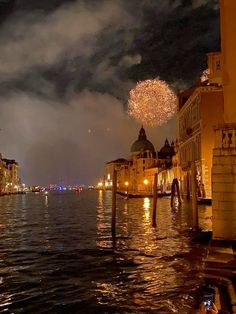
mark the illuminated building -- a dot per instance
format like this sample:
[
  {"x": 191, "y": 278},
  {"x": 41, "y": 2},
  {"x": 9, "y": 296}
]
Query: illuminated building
[
  {"x": 224, "y": 153},
  {"x": 9, "y": 176},
  {"x": 163, "y": 167},
  {"x": 136, "y": 174},
  {"x": 199, "y": 109},
  {"x": 143, "y": 156},
  {"x": 110, "y": 166},
  {"x": 131, "y": 171}
]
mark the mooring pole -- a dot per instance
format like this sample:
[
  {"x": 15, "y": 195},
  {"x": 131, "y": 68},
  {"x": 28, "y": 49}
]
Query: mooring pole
[
  {"x": 175, "y": 192},
  {"x": 178, "y": 192},
  {"x": 154, "y": 207},
  {"x": 194, "y": 195},
  {"x": 113, "y": 215},
  {"x": 172, "y": 193}
]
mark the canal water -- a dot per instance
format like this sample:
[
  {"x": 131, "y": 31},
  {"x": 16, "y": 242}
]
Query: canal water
[{"x": 57, "y": 255}]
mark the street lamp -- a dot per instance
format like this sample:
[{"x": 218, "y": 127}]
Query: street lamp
[{"x": 145, "y": 181}]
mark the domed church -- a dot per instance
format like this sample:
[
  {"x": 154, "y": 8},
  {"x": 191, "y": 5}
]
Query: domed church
[
  {"x": 142, "y": 146},
  {"x": 135, "y": 175},
  {"x": 131, "y": 171}
]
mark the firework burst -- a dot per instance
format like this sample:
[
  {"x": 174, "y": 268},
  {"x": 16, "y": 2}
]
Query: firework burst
[{"x": 152, "y": 102}]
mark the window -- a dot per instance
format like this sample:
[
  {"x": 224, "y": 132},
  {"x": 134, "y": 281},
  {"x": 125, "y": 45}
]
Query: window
[{"x": 217, "y": 65}]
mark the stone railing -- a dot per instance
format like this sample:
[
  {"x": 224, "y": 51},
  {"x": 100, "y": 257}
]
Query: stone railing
[{"x": 225, "y": 135}]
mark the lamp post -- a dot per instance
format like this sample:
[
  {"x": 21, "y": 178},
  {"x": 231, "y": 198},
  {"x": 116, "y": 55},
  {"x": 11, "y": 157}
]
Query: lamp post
[{"x": 145, "y": 181}]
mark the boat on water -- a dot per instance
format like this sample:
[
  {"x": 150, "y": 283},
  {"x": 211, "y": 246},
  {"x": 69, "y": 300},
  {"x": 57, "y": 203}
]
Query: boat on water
[
  {"x": 35, "y": 189},
  {"x": 142, "y": 195},
  {"x": 204, "y": 201}
]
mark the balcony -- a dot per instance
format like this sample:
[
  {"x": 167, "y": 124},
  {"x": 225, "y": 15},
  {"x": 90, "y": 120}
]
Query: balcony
[{"x": 225, "y": 136}]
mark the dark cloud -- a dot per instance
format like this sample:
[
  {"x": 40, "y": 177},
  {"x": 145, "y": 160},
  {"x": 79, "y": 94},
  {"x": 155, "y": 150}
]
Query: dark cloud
[
  {"x": 66, "y": 68},
  {"x": 177, "y": 49}
]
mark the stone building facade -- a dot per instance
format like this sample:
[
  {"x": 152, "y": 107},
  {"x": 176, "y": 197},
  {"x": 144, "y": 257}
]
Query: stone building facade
[
  {"x": 136, "y": 174},
  {"x": 199, "y": 109},
  {"x": 9, "y": 176},
  {"x": 224, "y": 153}
]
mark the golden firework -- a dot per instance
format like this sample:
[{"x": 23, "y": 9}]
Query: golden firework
[{"x": 152, "y": 102}]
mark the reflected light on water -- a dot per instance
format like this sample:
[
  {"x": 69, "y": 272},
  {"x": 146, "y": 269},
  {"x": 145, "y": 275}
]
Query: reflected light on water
[
  {"x": 106, "y": 290},
  {"x": 100, "y": 212},
  {"x": 6, "y": 300},
  {"x": 146, "y": 203},
  {"x": 65, "y": 247},
  {"x": 100, "y": 198},
  {"x": 46, "y": 200},
  {"x": 146, "y": 206}
]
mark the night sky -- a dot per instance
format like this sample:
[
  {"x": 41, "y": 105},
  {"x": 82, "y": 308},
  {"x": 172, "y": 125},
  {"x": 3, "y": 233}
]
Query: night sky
[{"x": 66, "y": 68}]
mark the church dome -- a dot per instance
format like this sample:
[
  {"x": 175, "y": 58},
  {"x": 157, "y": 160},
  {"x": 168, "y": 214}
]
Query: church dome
[
  {"x": 167, "y": 151},
  {"x": 142, "y": 144}
]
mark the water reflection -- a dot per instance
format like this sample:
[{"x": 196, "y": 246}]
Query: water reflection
[
  {"x": 46, "y": 200},
  {"x": 205, "y": 217},
  {"x": 156, "y": 262},
  {"x": 57, "y": 254},
  {"x": 146, "y": 207}
]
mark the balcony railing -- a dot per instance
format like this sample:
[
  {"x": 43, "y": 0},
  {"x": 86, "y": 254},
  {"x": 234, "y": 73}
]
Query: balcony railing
[{"x": 225, "y": 136}]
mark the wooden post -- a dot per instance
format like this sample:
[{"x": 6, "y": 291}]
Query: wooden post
[
  {"x": 175, "y": 192},
  {"x": 178, "y": 192},
  {"x": 154, "y": 207},
  {"x": 194, "y": 195},
  {"x": 172, "y": 193},
  {"x": 113, "y": 217}
]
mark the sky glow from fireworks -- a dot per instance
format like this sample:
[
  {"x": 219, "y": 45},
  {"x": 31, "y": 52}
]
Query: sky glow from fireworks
[{"x": 152, "y": 102}]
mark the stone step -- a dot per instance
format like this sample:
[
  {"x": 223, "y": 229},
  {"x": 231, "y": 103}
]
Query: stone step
[{"x": 223, "y": 250}]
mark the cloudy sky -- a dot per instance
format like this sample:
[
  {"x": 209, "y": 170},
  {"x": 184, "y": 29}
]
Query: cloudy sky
[{"x": 66, "y": 68}]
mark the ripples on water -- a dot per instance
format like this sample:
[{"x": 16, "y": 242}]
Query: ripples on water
[{"x": 57, "y": 256}]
